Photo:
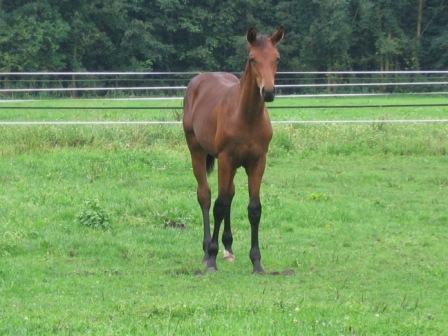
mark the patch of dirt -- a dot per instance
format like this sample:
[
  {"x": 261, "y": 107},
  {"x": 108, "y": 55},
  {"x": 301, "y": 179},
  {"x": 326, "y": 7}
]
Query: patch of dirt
[
  {"x": 172, "y": 224},
  {"x": 286, "y": 272},
  {"x": 183, "y": 271}
]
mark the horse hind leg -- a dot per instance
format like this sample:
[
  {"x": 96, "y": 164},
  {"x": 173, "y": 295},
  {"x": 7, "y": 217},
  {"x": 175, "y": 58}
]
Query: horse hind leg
[
  {"x": 198, "y": 159},
  {"x": 227, "y": 237}
]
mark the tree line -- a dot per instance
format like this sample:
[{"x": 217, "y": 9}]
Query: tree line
[{"x": 170, "y": 35}]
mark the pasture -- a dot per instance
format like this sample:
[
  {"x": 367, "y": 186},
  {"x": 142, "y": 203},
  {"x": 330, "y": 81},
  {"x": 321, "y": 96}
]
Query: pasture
[{"x": 354, "y": 226}]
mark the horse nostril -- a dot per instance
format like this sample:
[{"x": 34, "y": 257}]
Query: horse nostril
[{"x": 268, "y": 96}]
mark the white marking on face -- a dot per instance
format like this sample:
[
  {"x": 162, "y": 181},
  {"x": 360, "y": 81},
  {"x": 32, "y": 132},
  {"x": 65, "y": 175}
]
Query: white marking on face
[{"x": 261, "y": 86}]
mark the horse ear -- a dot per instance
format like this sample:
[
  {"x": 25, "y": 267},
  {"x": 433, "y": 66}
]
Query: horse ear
[
  {"x": 251, "y": 35},
  {"x": 278, "y": 35}
]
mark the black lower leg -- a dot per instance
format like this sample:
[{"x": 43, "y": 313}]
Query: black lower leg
[
  {"x": 219, "y": 210},
  {"x": 204, "y": 196},
  {"x": 254, "y": 213},
  {"x": 227, "y": 238},
  {"x": 207, "y": 236}
]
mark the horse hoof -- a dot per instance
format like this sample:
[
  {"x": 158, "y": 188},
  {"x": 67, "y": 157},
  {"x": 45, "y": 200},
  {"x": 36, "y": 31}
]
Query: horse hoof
[
  {"x": 211, "y": 269},
  {"x": 258, "y": 271},
  {"x": 205, "y": 259},
  {"x": 228, "y": 256}
]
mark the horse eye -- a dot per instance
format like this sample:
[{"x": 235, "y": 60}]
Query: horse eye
[{"x": 252, "y": 61}]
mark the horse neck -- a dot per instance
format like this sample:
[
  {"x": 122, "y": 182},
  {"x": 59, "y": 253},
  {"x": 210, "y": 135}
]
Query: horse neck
[{"x": 251, "y": 102}]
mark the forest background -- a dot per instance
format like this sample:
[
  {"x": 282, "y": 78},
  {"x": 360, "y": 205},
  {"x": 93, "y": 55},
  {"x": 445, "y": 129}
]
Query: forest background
[{"x": 182, "y": 35}]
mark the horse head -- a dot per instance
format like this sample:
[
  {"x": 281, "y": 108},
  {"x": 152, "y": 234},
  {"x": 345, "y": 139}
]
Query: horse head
[{"x": 263, "y": 60}]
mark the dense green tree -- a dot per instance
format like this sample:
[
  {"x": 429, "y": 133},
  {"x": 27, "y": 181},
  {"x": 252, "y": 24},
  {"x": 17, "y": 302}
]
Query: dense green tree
[
  {"x": 327, "y": 41},
  {"x": 31, "y": 36},
  {"x": 434, "y": 35},
  {"x": 209, "y": 35}
]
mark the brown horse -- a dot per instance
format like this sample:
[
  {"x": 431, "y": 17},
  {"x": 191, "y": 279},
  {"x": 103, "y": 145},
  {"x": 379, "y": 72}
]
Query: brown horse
[{"x": 226, "y": 118}]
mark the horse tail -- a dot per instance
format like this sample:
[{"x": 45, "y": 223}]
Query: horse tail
[{"x": 210, "y": 163}]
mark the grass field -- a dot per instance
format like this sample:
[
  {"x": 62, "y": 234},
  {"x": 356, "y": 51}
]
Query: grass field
[{"x": 354, "y": 219}]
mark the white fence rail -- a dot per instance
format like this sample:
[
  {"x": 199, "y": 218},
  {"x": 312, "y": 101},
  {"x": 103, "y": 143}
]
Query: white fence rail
[
  {"x": 33, "y": 83},
  {"x": 20, "y": 84},
  {"x": 170, "y": 88}
]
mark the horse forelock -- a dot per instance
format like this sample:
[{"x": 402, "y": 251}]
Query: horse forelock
[{"x": 260, "y": 42}]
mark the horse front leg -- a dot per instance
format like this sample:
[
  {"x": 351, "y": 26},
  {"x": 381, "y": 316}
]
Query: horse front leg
[
  {"x": 221, "y": 208},
  {"x": 255, "y": 174}
]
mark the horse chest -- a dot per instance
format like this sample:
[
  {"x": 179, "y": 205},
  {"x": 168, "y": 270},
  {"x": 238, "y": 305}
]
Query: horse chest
[{"x": 245, "y": 146}]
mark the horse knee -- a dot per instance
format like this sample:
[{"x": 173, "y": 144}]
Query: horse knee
[
  {"x": 222, "y": 205},
  {"x": 231, "y": 192},
  {"x": 254, "y": 212},
  {"x": 204, "y": 197}
]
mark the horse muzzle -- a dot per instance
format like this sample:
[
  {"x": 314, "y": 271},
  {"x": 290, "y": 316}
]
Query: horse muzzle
[{"x": 268, "y": 95}]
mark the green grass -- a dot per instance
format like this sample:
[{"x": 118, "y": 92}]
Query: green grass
[{"x": 356, "y": 215}]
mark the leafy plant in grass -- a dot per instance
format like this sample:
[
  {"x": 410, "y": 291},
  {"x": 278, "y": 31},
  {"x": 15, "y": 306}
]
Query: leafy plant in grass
[
  {"x": 317, "y": 196},
  {"x": 93, "y": 216},
  {"x": 174, "y": 218}
]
